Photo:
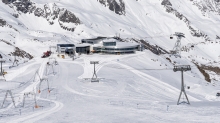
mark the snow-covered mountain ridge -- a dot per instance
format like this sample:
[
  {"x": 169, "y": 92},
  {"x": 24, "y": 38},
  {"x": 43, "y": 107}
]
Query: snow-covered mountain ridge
[
  {"x": 133, "y": 86},
  {"x": 73, "y": 20},
  {"x": 29, "y": 20}
]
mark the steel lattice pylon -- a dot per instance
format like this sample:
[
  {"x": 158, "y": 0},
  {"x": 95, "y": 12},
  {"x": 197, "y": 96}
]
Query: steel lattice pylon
[
  {"x": 6, "y": 95},
  {"x": 1, "y": 72},
  {"x": 182, "y": 68},
  {"x": 177, "y": 46},
  {"x": 94, "y": 76},
  {"x": 33, "y": 94}
]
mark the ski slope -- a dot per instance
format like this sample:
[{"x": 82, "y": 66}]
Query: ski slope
[
  {"x": 140, "y": 87},
  {"x": 126, "y": 94}
]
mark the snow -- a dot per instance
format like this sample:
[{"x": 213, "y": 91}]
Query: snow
[
  {"x": 126, "y": 94},
  {"x": 140, "y": 87}
]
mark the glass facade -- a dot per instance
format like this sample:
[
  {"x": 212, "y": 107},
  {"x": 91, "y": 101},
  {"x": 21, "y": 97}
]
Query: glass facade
[
  {"x": 109, "y": 43},
  {"x": 115, "y": 50},
  {"x": 83, "y": 49}
]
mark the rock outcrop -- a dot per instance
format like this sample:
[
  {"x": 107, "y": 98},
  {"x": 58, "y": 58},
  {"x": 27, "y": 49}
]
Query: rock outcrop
[
  {"x": 117, "y": 6},
  {"x": 65, "y": 16},
  {"x": 195, "y": 32},
  {"x": 208, "y": 6}
]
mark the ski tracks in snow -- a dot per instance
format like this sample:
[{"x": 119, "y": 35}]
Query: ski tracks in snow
[
  {"x": 158, "y": 86},
  {"x": 41, "y": 114}
]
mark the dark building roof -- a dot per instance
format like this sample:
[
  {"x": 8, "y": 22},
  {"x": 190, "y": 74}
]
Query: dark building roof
[
  {"x": 66, "y": 45},
  {"x": 98, "y": 38}
]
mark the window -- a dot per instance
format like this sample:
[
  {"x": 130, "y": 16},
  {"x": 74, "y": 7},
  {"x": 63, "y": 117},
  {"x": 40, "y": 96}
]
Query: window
[{"x": 109, "y": 43}]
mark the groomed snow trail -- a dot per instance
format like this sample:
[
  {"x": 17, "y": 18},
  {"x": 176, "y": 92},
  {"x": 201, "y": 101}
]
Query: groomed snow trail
[
  {"x": 33, "y": 117},
  {"x": 157, "y": 87},
  {"x": 122, "y": 92}
]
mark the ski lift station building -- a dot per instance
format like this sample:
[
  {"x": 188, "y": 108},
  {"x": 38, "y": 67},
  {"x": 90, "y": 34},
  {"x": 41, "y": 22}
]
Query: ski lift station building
[
  {"x": 65, "y": 48},
  {"x": 111, "y": 45},
  {"x": 108, "y": 45}
]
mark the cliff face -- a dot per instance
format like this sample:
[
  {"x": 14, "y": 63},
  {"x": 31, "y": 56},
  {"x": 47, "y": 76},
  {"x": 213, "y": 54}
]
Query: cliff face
[
  {"x": 117, "y": 6},
  {"x": 194, "y": 31},
  {"x": 50, "y": 14},
  {"x": 208, "y": 6}
]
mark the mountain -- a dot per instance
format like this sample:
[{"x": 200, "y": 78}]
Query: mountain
[
  {"x": 44, "y": 23},
  {"x": 29, "y": 27}
]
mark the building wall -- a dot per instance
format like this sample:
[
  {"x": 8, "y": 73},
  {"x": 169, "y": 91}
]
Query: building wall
[
  {"x": 85, "y": 50},
  {"x": 61, "y": 48},
  {"x": 116, "y": 50}
]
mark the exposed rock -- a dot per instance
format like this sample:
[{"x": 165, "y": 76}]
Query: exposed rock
[
  {"x": 117, "y": 7},
  {"x": 208, "y": 6},
  {"x": 206, "y": 75},
  {"x": 21, "y": 53},
  {"x": 212, "y": 68},
  {"x": 204, "y": 68},
  {"x": 39, "y": 12},
  {"x": 2, "y": 22},
  {"x": 15, "y": 15},
  {"x": 69, "y": 17},
  {"x": 166, "y": 3},
  {"x": 154, "y": 49},
  {"x": 23, "y": 6},
  {"x": 56, "y": 11},
  {"x": 18, "y": 52},
  {"x": 47, "y": 11},
  {"x": 26, "y": 6},
  {"x": 8, "y": 1},
  {"x": 195, "y": 32}
]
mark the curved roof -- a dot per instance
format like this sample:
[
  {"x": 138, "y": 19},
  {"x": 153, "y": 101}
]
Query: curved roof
[
  {"x": 119, "y": 45},
  {"x": 66, "y": 45},
  {"x": 98, "y": 42}
]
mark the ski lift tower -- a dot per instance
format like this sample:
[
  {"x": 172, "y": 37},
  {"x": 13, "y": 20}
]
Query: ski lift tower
[
  {"x": 2, "y": 61},
  {"x": 15, "y": 59},
  {"x": 94, "y": 74},
  {"x": 49, "y": 64},
  {"x": 177, "y": 47},
  {"x": 182, "y": 68},
  {"x": 6, "y": 95},
  {"x": 26, "y": 94},
  {"x": 45, "y": 78}
]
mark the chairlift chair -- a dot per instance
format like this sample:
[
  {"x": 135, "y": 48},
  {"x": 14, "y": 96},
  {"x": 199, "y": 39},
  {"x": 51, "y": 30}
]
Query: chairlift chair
[
  {"x": 171, "y": 36},
  {"x": 218, "y": 94}
]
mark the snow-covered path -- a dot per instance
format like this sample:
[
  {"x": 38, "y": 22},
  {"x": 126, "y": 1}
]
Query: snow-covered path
[
  {"x": 124, "y": 95},
  {"x": 115, "y": 98}
]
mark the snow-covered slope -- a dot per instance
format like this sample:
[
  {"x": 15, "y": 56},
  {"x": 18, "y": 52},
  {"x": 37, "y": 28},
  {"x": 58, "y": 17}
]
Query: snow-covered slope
[
  {"x": 45, "y": 22},
  {"x": 30, "y": 27}
]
